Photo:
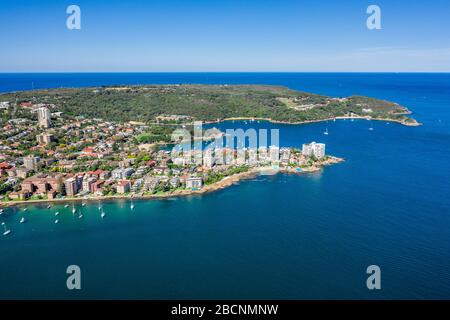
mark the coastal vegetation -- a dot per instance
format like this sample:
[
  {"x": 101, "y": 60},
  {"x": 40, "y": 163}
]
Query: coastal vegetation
[
  {"x": 214, "y": 177},
  {"x": 205, "y": 103}
]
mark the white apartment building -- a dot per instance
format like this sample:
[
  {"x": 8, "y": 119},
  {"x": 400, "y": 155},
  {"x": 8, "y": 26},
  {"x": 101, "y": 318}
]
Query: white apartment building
[
  {"x": 314, "y": 149},
  {"x": 285, "y": 154},
  {"x": 122, "y": 174},
  {"x": 252, "y": 156},
  {"x": 44, "y": 117},
  {"x": 87, "y": 183},
  {"x": 208, "y": 159},
  {"x": 274, "y": 153}
]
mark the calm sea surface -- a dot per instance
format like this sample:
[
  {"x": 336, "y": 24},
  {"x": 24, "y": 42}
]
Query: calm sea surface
[{"x": 277, "y": 237}]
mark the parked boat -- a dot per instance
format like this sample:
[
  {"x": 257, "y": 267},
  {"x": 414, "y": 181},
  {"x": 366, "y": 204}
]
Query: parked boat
[{"x": 6, "y": 231}]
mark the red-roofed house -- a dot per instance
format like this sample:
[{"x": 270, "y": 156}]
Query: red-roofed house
[
  {"x": 3, "y": 167},
  {"x": 26, "y": 104}
]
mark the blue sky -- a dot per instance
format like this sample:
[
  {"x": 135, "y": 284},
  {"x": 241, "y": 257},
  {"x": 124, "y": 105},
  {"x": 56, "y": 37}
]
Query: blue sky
[{"x": 225, "y": 35}]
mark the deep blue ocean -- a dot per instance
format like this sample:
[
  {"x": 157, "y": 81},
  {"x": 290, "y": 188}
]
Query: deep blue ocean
[{"x": 271, "y": 237}]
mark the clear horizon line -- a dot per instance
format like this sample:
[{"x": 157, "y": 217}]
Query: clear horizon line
[{"x": 199, "y": 72}]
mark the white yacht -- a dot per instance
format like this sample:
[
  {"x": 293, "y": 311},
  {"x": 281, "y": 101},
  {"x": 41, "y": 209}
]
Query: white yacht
[{"x": 6, "y": 231}]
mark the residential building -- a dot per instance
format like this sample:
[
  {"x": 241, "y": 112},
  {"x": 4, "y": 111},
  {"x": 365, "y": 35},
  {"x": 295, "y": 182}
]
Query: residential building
[
  {"x": 79, "y": 179},
  {"x": 44, "y": 117},
  {"x": 208, "y": 159},
  {"x": 314, "y": 149},
  {"x": 122, "y": 174},
  {"x": 274, "y": 153},
  {"x": 194, "y": 183},
  {"x": 4, "y": 167},
  {"x": 160, "y": 170},
  {"x": 20, "y": 195},
  {"x": 31, "y": 162},
  {"x": 71, "y": 186},
  {"x": 123, "y": 186},
  {"x": 87, "y": 183},
  {"x": 179, "y": 161},
  {"x": 285, "y": 154},
  {"x": 240, "y": 156},
  {"x": 45, "y": 138},
  {"x": 262, "y": 154},
  {"x": 97, "y": 186},
  {"x": 42, "y": 183},
  {"x": 174, "y": 182},
  {"x": 99, "y": 174},
  {"x": 150, "y": 183},
  {"x": 252, "y": 156},
  {"x": 4, "y": 105},
  {"x": 137, "y": 185}
]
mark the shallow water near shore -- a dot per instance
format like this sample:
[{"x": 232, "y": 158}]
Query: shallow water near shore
[{"x": 277, "y": 237}]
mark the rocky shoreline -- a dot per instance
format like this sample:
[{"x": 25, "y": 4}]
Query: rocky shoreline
[
  {"x": 414, "y": 123},
  {"x": 222, "y": 184}
]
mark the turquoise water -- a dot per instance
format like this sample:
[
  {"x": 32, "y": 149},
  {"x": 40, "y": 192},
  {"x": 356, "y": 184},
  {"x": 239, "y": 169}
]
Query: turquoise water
[{"x": 278, "y": 237}]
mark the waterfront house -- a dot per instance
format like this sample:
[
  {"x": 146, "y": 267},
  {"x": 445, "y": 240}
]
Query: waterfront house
[
  {"x": 174, "y": 182},
  {"x": 97, "y": 186},
  {"x": 194, "y": 183},
  {"x": 137, "y": 185},
  {"x": 19, "y": 195}
]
